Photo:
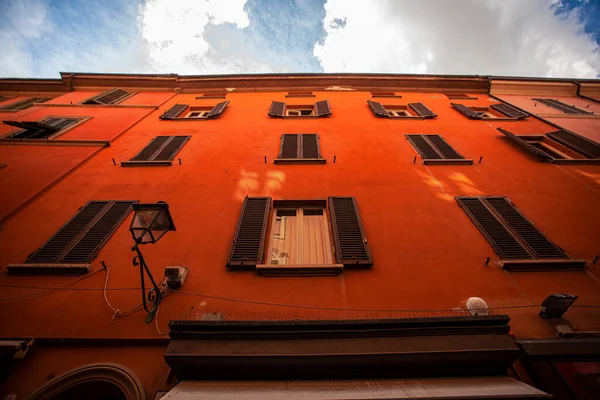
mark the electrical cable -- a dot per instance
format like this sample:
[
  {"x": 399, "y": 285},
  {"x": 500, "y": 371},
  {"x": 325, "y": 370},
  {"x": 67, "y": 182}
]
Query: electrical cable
[{"x": 117, "y": 312}]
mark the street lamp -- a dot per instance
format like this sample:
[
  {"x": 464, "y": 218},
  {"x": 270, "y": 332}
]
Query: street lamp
[{"x": 150, "y": 223}]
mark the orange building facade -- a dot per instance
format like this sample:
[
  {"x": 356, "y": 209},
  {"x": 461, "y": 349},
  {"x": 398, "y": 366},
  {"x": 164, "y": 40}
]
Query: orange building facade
[{"x": 417, "y": 194}]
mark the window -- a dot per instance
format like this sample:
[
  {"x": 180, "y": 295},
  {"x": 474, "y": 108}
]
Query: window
[
  {"x": 212, "y": 95},
  {"x": 433, "y": 149},
  {"x": 23, "y": 104},
  {"x": 113, "y": 96},
  {"x": 300, "y": 148},
  {"x": 159, "y": 152},
  {"x": 459, "y": 96},
  {"x": 193, "y": 112},
  {"x": 385, "y": 94},
  {"x": 495, "y": 111},
  {"x": 560, "y": 106},
  {"x": 47, "y": 128},
  {"x": 515, "y": 239},
  {"x": 558, "y": 147},
  {"x": 412, "y": 110},
  {"x": 282, "y": 110},
  {"x": 299, "y": 240},
  {"x": 300, "y": 94},
  {"x": 78, "y": 241}
]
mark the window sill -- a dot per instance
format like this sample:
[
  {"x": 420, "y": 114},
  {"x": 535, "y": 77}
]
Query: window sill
[
  {"x": 211, "y": 97},
  {"x": 389, "y": 96},
  {"x": 146, "y": 163},
  {"x": 48, "y": 269},
  {"x": 300, "y": 95},
  {"x": 575, "y": 116},
  {"x": 299, "y": 270},
  {"x": 564, "y": 264},
  {"x": 411, "y": 117},
  {"x": 589, "y": 161},
  {"x": 185, "y": 119},
  {"x": 300, "y": 161},
  {"x": 447, "y": 161},
  {"x": 503, "y": 119},
  {"x": 55, "y": 142},
  {"x": 300, "y": 116}
]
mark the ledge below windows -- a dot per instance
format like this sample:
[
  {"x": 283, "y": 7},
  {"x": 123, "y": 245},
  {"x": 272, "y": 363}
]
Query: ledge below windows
[
  {"x": 458, "y": 161},
  {"x": 146, "y": 163},
  {"x": 300, "y": 161},
  {"x": 299, "y": 270},
  {"x": 48, "y": 269},
  {"x": 565, "y": 264}
]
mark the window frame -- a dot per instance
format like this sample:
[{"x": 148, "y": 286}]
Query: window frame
[
  {"x": 80, "y": 120},
  {"x": 300, "y": 151},
  {"x": 300, "y": 108}
]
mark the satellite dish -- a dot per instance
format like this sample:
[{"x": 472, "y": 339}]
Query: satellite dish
[{"x": 477, "y": 306}]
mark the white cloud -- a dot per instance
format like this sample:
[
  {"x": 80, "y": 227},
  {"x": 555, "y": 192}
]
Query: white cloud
[{"x": 499, "y": 37}]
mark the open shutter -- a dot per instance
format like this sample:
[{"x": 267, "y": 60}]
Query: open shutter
[
  {"x": 351, "y": 246},
  {"x": 425, "y": 150},
  {"x": 527, "y": 232},
  {"x": 218, "y": 109},
  {"x": 579, "y": 144},
  {"x": 323, "y": 108},
  {"x": 277, "y": 109},
  {"x": 289, "y": 146},
  {"x": 152, "y": 148},
  {"x": 248, "y": 244},
  {"x": 466, "y": 111},
  {"x": 422, "y": 110},
  {"x": 111, "y": 97},
  {"x": 526, "y": 146},
  {"x": 310, "y": 145},
  {"x": 378, "y": 109},
  {"x": 509, "y": 111},
  {"x": 174, "y": 111},
  {"x": 496, "y": 233},
  {"x": 171, "y": 148},
  {"x": 444, "y": 148},
  {"x": 560, "y": 106},
  {"x": 92, "y": 241}
]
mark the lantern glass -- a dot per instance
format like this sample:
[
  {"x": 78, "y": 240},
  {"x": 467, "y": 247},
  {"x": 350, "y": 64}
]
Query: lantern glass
[{"x": 150, "y": 222}]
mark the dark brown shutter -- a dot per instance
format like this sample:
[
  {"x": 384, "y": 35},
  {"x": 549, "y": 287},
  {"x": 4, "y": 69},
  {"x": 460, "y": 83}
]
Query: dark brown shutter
[
  {"x": 528, "y": 233},
  {"x": 171, "y": 148},
  {"x": 461, "y": 96},
  {"x": 580, "y": 144},
  {"x": 310, "y": 145},
  {"x": 378, "y": 109},
  {"x": 323, "y": 108},
  {"x": 111, "y": 97},
  {"x": 25, "y": 103},
  {"x": 422, "y": 110},
  {"x": 92, "y": 241},
  {"x": 509, "y": 111},
  {"x": 174, "y": 111},
  {"x": 525, "y": 145},
  {"x": 249, "y": 241},
  {"x": 277, "y": 109},
  {"x": 466, "y": 111},
  {"x": 560, "y": 106},
  {"x": 425, "y": 150},
  {"x": 33, "y": 125},
  {"x": 218, "y": 109},
  {"x": 289, "y": 146},
  {"x": 150, "y": 149},
  {"x": 351, "y": 246},
  {"x": 60, "y": 123},
  {"x": 444, "y": 148},
  {"x": 496, "y": 233}
]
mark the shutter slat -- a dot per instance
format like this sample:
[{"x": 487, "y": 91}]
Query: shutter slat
[
  {"x": 509, "y": 111},
  {"x": 444, "y": 147},
  {"x": 560, "y": 106},
  {"x": 466, "y": 111},
  {"x": 277, "y": 109},
  {"x": 174, "y": 111},
  {"x": 581, "y": 145},
  {"x": 351, "y": 247},
  {"x": 62, "y": 239},
  {"x": 172, "y": 148},
  {"x": 111, "y": 97},
  {"x": 217, "y": 110},
  {"x": 492, "y": 229},
  {"x": 526, "y": 145},
  {"x": 310, "y": 146},
  {"x": 536, "y": 240},
  {"x": 323, "y": 108},
  {"x": 150, "y": 149},
  {"x": 422, "y": 110},
  {"x": 423, "y": 148},
  {"x": 90, "y": 244},
  {"x": 248, "y": 244},
  {"x": 289, "y": 146},
  {"x": 378, "y": 109}
]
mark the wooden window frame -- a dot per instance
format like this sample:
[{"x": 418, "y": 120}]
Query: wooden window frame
[
  {"x": 151, "y": 162},
  {"x": 116, "y": 103},
  {"x": 299, "y": 152},
  {"x": 295, "y": 107},
  {"x": 190, "y": 109},
  {"x": 314, "y": 107},
  {"x": 493, "y": 115},
  {"x": 433, "y": 161},
  {"x": 81, "y": 120},
  {"x": 385, "y": 110}
]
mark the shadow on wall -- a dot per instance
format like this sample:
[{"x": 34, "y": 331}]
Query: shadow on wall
[{"x": 250, "y": 184}]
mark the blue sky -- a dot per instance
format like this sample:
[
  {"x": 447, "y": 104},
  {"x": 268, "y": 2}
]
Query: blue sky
[{"x": 557, "y": 38}]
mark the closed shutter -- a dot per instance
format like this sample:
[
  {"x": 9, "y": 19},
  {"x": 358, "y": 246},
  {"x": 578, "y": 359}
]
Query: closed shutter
[
  {"x": 289, "y": 146},
  {"x": 171, "y": 148},
  {"x": 444, "y": 148},
  {"x": 525, "y": 145},
  {"x": 579, "y": 144},
  {"x": 378, "y": 109},
  {"x": 509, "y": 111},
  {"x": 111, "y": 97},
  {"x": 277, "y": 109},
  {"x": 82, "y": 237},
  {"x": 497, "y": 234},
  {"x": 217, "y": 110},
  {"x": 466, "y": 111},
  {"x": 310, "y": 145},
  {"x": 560, "y": 106},
  {"x": 323, "y": 108},
  {"x": 26, "y": 103},
  {"x": 248, "y": 244},
  {"x": 422, "y": 110},
  {"x": 151, "y": 148},
  {"x": 174, "y": 111},
  {"x": 424, "y": 148},
  {"x": 351, "y": 246},
  {"x": 60, "y": 123}
]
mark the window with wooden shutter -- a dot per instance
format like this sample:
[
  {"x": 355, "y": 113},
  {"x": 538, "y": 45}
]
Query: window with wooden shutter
[
  {"x": 159, "y": 152},
  {"x": 44, "y": 129},
  {"x": 323, "y": 108},
  {"x": 247, "y": 248},
  {"x": 385, "y": 94},
  {"x": 560, "y": 106},
  {"x": 78, "y": 241},
  {"x": 412, "y": 110},
  {"x": 466, "y": 111},
  {"x": 422, "y": 110},
  {"x": 300, "y": 148},
  {"x": 174, "y": 111},
  {"x": 433, "y": 149},
  {"x": 350, "y": 241},
  {"x": 113, "y": 96},
  {"x": 217, "y": 109},
  {"x": 514, "y": 238},
  {"x": 316, "y": 110},
  {"x": 378, "y": 109},
  {"x": 23, "y": 104},
  {"x": 277, "y": 109},
  {"x": 509, "y": 111}
]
